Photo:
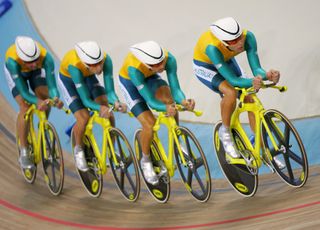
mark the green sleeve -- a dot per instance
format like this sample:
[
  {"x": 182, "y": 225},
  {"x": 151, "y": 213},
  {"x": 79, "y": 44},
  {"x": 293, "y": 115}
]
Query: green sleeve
[
  {"x": 171, "y": 68},
  {"x": 108, "y": 81},
  {"x": 82, "y": 89},
  {"x": 253, "y": 58},
  {"x": 48, "y": 65},
  {"x": 15, "y": 71},
  {"x": 138, "y": 80},
  {"x": 223, "y": 68}
]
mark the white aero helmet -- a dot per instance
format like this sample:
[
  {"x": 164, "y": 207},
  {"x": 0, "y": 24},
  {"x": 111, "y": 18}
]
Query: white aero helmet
[
  {"x": 27, "y": 49},
  {"x": 148, "y": 52},
  {"x": 226, "y": 29},
  {"x": 89, "y": 52}
]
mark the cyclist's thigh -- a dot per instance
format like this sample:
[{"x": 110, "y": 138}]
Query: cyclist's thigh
[
  {"x": 82, "y": 116},
  {"x": 146, "y": 119},
  {"x": 134, "y": 100},
  {"x": 12, "y": 85},
  {"x": 234, "y": 65},
  {"x": 96, "y": 90},
  {"x": 38, "y": 84},
  {"x": 226, "y": 89},
  {"x": 42, "y": 92},
  {"x": 159, "y": 88},
  {"x": 70, "y": 94},
  {"x": 208, "y": 75},
  {"x": 22, "y": 104}
]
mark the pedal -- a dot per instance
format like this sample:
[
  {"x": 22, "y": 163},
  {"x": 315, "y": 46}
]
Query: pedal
[
  {"x": 250, "y": 160},
  {"x": 268, "y": 165},
  {"x": 266, "y": 161},
  {"x": 165, "y": 179}
]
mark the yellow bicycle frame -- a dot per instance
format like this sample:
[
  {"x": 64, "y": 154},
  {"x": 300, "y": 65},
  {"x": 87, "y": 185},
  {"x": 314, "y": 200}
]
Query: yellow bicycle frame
[
  {"x": 173, "y": 133},
  {"x": 106, "y": 138},
  {"x": 258, "y": 110},
  {"x": 37, "y": 138},
  {"x": 40, "y": 137}
]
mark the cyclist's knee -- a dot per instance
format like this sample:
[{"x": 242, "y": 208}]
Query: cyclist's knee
[
  {"x": 248, "y": 99},
  {"x": 42, "y": 92},
  {"x": 230, "y": 92},
  {"x": 82, "y": 118},
  {"x": 23, "y": 107},
  {"x": 148, "y": 124}
]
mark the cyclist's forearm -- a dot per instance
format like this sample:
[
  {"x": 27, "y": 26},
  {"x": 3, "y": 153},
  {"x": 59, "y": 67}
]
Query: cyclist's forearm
[
  {"x": 108, "y": 81},
  {"x": 24, "y": 91},
  {"x": 171, "y": 68},
  {"x": 48, "y": 65},
  {"x": 138, "y": 80},
  {"x": 82, "y": 89},
  {"x": 252, "y": 55},
  {"x": 85, "y": 98},
  {"x": 223, "y": 68}
]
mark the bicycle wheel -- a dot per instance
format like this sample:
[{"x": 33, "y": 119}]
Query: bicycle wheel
[
  {"x": 240, "y": 178},
  {"x": 28, "y": 174},
  {"x": 195, "y": 173},
  {"x": 92, "y": 179},
  {"x": 290, "y": 148},
  {"x": 126, "y": 173},
  {"x": 52, "y": 160},
  {"x": 161, "y": 191}
]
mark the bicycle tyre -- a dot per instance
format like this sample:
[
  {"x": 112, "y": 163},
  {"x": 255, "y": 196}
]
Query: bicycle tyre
[
  {"x": 53, "y": 165},
  {"x": 126, "y": 174},
  {"x": 92, "y": 180},
  {"x": 195, "y": 174},
  {"x": 291, "y": 149},
  {"x": 161, "y": 191},
  {"x": 242, "y": 182}
]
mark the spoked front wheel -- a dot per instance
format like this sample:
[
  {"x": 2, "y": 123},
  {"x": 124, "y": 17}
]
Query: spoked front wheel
[
  {"x": 52, "y": 160},
  {"x": 92, "y": 179},
  {"x": 161, "y": 191},
  {"x": 194, "y": 171},
  {"x": 290, "y": 151},
  {"x": 124, "y": 167}
]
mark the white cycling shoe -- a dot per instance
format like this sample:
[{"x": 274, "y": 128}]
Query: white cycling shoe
[
  {"x": 279, "y": 163},
  {"x": 24, "y": 159},
  {"x": 148, "y": 172},
  {"x": 228, "y": 145},
  {"x": 80, "y": 159}
]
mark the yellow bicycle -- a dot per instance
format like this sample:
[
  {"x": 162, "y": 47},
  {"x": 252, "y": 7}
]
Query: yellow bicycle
[
  {"x": 275, "y": 136},
  {"x": 43, "y": 145},
  {"x": 190, "y": 160},
  {"x": 122, "y": 162}
]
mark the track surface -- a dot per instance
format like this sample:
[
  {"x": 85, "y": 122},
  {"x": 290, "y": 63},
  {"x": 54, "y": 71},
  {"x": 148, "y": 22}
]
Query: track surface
[{"x": 24, "y": 206}]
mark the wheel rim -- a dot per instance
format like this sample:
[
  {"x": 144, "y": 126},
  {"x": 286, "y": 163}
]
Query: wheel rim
[
  {"x": 53, "y": 164},
  {"x": 291, "y": 150},
  {"x": 243, "y": 182},
  {"x": 92, "y": 179},
  {"x": 160, "y": 192},
  {"x": 126, "y": 171},
  {"x": 28, "y": 174},
  {"x": 195, "y": 173}
]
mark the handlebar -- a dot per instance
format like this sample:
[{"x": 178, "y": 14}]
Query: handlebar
[
  {"x": 251, "y": 90},
  {"x": 180, "y": 108},
  {"x": 64, "y": 109}
]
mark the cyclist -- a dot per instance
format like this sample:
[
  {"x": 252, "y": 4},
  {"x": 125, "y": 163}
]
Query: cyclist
[
  {"x": 142, "y": 86},
  {"x": 215, "y": 66},
  {"x": 78, "y": 78},
  {"x": 29, "y": 64}
]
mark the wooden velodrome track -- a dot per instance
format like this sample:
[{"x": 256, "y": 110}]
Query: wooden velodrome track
[{"x": 25, "y": 206}]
